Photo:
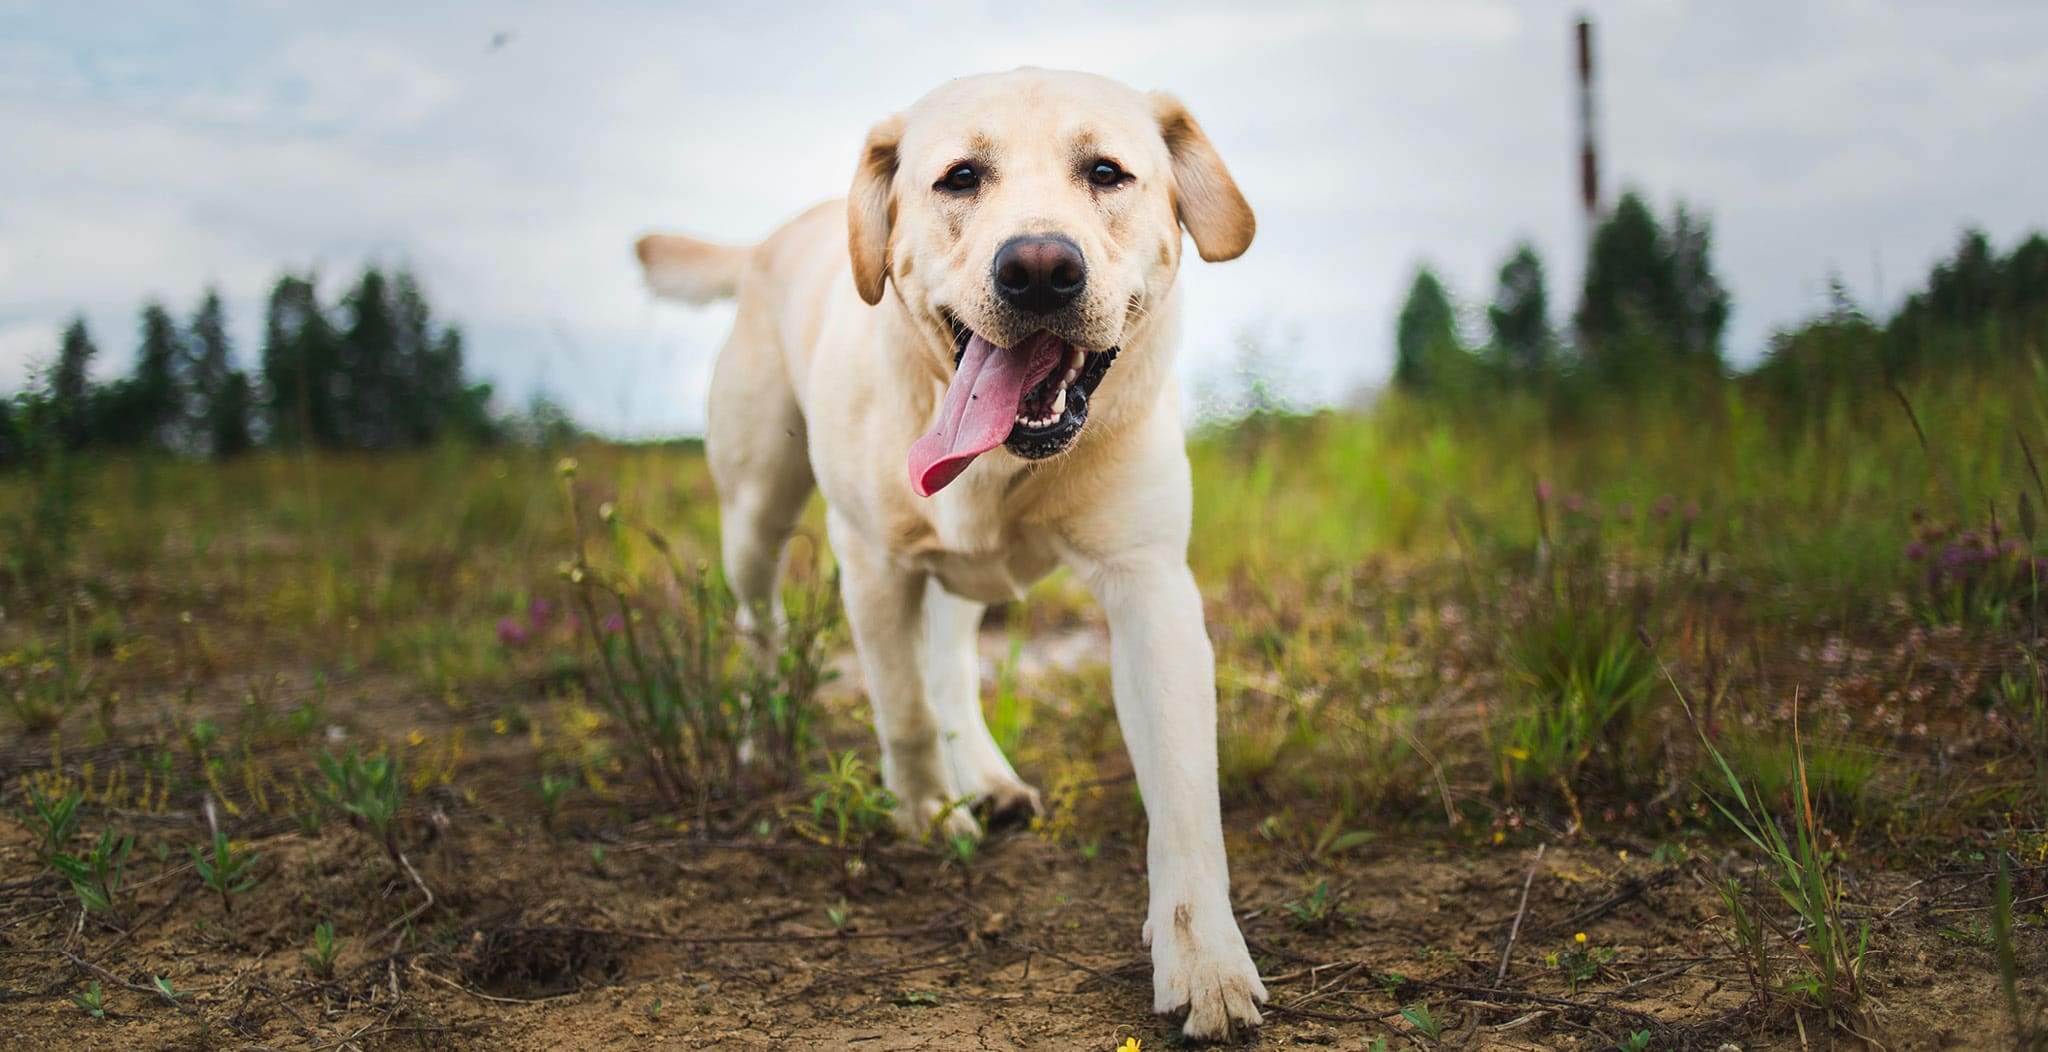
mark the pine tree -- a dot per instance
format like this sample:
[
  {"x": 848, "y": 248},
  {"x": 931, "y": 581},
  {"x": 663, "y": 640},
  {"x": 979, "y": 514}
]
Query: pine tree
[
  {"x": 300, "y": 378},
  {"x": 1651, "y": 298},
  {"x": 70, "y": 387},
  {"x": 1520, "y": 314},
  {"x": 1426, "y": 336},
  {"x": 370, "y": 362},
  {"x": 465, "y": 407},
  {"x": 146, "y": 408},
  {"x": 228, "y": 416},
  {"x": 2025, "y": 275},
  {"x": 1700, "y": 305},
  {"x": 217, "y": 411},
  {"x": 208, "y": 361},
  {"x": 422, "y": 400},
  {"x": 12, "y": 446}
]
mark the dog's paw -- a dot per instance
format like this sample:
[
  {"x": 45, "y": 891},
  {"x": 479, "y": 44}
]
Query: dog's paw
[
  {"x": 1201, "y": 965},
  {"x": 934, "y": 817},
  {"x": 1007, "y": 802},
  {"x": 985, "y": 778}
]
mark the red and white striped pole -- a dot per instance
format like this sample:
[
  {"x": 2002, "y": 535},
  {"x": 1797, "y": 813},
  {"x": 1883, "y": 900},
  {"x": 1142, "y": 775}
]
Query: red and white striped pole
[
  {"x": 1588, "y": 146},
  {"x": 1589, "y": 154}
]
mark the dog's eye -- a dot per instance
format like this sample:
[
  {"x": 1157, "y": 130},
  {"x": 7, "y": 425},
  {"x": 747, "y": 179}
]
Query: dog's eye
[
  {"x": 1106, "y": 174},
  {"x": 962, "y": 178}
]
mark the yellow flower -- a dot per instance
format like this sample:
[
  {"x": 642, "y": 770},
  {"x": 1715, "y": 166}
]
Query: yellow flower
[
  {"x": 415, "y": 738},
  {"x": 1579, "y": 938},
  {"x": 1624, "y": 854},
  {"x": 1499, "y": 836},
  {"x": 1130, "y": 1045},
  {"x": 1516, "y": 752},
  {"x": 500, "y": 725}
]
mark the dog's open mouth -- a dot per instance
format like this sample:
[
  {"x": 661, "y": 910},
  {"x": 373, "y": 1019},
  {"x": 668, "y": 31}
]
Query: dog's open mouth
[{"x": 1031, "y": 399}]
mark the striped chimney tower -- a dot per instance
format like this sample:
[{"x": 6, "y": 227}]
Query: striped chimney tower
[{"x": 1589, "y": 152}]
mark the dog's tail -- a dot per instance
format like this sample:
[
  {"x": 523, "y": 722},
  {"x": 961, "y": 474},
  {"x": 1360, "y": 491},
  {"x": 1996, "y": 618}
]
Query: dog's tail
[{"x": 693, "y": 271}]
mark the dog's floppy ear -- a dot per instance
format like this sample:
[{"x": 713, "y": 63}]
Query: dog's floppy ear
[
  {"x": 871, "y": 208},
  {"x": 1205, "y": 199}
]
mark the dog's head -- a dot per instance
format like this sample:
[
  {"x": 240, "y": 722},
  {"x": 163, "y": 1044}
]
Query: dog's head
[{"x": 1028, "y": 221}]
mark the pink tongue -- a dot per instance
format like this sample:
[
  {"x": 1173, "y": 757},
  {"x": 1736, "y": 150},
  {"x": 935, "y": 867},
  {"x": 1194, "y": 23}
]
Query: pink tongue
[{"x": 980, "y": 407}]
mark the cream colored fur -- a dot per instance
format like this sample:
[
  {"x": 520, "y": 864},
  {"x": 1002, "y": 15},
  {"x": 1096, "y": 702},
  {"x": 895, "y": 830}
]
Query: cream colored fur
[{"x": 836, "y": 364}]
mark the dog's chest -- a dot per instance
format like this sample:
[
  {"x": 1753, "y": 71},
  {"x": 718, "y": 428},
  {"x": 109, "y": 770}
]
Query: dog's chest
[
  {"x": 978, "y": 552},
  {"x": 990, "y": 577}
]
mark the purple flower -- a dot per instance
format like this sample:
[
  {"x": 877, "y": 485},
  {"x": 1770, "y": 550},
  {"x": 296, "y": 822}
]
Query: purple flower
[
  {"x": 539, "y": 612},
  {"x": 1575, "y": 504},
  {"x": 613, "y": 624},
  {"x": 512, "y": 634},
  {"x": 1542, "y": 492},
  {"x": 1916, "y": 551},
  {"x": 1662, "y": 509}
]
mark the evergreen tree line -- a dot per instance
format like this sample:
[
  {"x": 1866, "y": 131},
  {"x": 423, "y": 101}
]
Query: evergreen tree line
[
  {"x": 1977, "y": 306},
  {"x": 1652, "y": 309},
  {"x": 1650, "y": 305},
  {"x": 374, "y": 372}
]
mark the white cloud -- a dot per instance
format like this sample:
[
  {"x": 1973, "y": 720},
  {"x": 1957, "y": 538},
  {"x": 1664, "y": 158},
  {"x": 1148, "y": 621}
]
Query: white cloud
[{"x": 178, "y": 150}]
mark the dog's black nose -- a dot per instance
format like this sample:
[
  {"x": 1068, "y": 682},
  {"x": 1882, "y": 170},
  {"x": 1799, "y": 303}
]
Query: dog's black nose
[{"x": 1040, "y": 275}]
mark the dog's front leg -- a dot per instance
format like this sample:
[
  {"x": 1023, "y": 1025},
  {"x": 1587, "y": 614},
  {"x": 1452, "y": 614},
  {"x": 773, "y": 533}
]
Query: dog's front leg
[
  {"x": 884, "y": 606},
  {"x": 1163, "y": 673}
]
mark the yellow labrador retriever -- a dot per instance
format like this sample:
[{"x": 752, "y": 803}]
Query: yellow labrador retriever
[{"x": 995, "y": 304}]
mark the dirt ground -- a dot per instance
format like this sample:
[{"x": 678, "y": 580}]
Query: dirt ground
[{"x": 730, "y": 934}]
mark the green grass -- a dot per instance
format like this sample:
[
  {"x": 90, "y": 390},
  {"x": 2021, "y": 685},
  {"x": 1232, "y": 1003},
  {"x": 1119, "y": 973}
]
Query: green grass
[
  {"x": 1426, "y": 617},
  {"x": 1820, "y": 504}
]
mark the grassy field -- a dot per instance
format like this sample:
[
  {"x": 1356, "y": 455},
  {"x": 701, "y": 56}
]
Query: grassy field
[{"x": 1689, "y": 722}]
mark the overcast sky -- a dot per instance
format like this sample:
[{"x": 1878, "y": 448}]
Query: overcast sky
[{"x": 511, "y": 156}]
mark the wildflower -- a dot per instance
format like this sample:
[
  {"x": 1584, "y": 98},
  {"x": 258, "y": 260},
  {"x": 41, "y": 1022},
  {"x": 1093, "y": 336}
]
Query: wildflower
[
  {"x": 1516, "y": 752},
  {"x": 511, "y": 633},
  {"x": 539, "y": 613},
  {"x": 1499, "y": 835},
  {"x": 1130, "y": 1045},
  {"x": 414, "y": 738},
  {"x": 607, "y": 512},
  {"x": 1579, "y": 938},
  {"x": 567, "y": 467},
  {"x": 500, "y": 725},
  {"x": 1542, "y": 491},
  {"x": 1916, "y": 551},
  {"x": 1662, "y": 509},
  {"x": 613, "y": 624}
]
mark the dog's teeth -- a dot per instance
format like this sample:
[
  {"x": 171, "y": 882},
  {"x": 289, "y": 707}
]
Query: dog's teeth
[
  {"x": 1068, "y": 379},
  {"x": 1059, "y": 404},
  {"x": 1075, "y": 356}
]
